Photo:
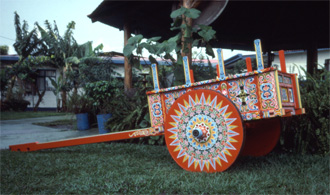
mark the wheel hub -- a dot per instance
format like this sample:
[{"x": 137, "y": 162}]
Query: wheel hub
[{"x": 201, "y": 132}]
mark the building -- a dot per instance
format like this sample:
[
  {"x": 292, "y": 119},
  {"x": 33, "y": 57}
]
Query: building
[
  {"x": 298, "y": 58},
  {"x": 43, "y": 83},
  {"x": 46, "y": 73},
  {"x": 295, "y": 60}
]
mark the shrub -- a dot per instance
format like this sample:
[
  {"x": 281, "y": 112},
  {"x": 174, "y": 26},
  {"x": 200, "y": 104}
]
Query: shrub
[
  {"x": 309, "y": 133},
  {"x": 78, "y": 103},
  {"x": 131, "y": 113},
  {"x": 101, "y": 93},
  {"x": 14, "y": 104}
]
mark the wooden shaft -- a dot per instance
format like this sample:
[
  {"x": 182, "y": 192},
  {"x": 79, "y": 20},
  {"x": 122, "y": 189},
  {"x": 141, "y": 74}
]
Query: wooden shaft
[
  {"x": 155, "y": 77},
  {"x": 258, "y": 49},
  {"x": 248, "y": 64},
  {"x": 282, "y": 60},
  {"x": 218, "y": 71},
  {"x": 221, "y": 65},
  {"x": 186, "y": 70},
  {"x": 89, "y": 139},
  {"x": 192, "y": 76}
]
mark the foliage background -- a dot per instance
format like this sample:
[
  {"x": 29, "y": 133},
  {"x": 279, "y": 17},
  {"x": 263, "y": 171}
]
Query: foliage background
[{"x": 309, "y": 133}]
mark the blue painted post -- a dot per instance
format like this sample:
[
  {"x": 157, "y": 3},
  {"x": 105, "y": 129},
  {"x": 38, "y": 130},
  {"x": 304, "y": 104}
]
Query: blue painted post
[
  {"x": 260, "y": 60},
  {"x": 155, "y": 77},
  {"x": 221, "y": 65},
  {"x": 186, "y": 70}
]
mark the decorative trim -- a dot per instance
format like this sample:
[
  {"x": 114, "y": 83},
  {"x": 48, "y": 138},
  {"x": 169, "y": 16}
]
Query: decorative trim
[
  {"x": 186, "y": 71},
  {"x": 152, "y": 131},
  {"x": 298, "y": 92},
  {"x": 273, "y": 113},
  {"x": 268, "y": 93},
  {"x": 284, "y": 94},
  {"x": 155, "y": 110},
  {"x": 260, "y": 61},
  {"x": 155, "y": 77},
  {"x": 229, "y": 77},
  {"x": 251, "y": 116},
  {"x": 221, "y": 65},
  {"x": 277, "y": 82}
]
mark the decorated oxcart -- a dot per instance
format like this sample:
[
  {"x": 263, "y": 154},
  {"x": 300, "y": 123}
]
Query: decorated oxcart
[{"x": 208, "y": 124}]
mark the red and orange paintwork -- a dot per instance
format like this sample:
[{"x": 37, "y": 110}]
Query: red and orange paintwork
[
  {"x": 258, "y": 139},
  {"x": 238, "y": 123},
  {"x": 89, "y": 139}
]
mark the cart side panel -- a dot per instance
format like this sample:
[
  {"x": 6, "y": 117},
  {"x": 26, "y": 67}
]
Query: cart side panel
[
  {"x": 271, "y": 105},
  {"x": 244, "y": 93},
  {"x": 155, "y": 110},
  {"x": 290, "y": 95},
  {"x": 170, "y": 97}
]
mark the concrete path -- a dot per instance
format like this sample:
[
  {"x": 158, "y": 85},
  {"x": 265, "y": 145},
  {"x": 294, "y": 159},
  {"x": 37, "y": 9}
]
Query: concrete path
[{"x": 23, "y": 131}]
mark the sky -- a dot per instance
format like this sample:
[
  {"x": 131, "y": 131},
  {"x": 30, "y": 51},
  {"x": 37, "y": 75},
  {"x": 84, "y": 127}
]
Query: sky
[{"x": 63, "y": 12}]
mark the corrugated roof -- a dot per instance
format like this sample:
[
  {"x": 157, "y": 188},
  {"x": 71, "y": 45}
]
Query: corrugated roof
[{"x": 9, "y": 58}]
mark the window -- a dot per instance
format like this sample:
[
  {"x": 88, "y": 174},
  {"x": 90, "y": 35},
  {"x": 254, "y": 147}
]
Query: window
[{"x": 43, "y": 81}]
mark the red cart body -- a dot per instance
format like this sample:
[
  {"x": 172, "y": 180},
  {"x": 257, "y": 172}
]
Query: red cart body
[{"x": 208, "y": 124}]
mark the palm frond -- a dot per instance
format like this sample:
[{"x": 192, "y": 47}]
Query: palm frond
[{"x": 18, "y": 27}]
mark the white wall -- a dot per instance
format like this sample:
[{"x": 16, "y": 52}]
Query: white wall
[
  {"x": 300, "y": 59},
  {"x": 48, "y": 101}
]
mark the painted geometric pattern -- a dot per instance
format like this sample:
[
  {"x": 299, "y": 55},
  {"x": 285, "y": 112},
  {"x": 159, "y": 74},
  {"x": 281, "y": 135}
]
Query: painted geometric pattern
[
  {"x": 212, "y": 115},
  {"x": 155, "y": 108},
  {"x": 224, "y": 89},
  {"x": 251, "y": 115},
  {"x": 273, "y": 113},
  {"x": 243, "y": 93},
  {"x": 213, "y": 87},
  {"x": 170, "y": 98},
  {"x": 268, "y": 91}
]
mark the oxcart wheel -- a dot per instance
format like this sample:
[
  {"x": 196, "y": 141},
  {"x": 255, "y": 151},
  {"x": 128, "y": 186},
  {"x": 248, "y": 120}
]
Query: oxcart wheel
[
  {"x": 261, "y": 136},
  {"x": 204, "y": 131}
]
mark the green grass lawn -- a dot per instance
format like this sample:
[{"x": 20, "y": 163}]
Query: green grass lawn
[
  {"x": 27, "y": 114},
  {"x": 145, "y": 169}
]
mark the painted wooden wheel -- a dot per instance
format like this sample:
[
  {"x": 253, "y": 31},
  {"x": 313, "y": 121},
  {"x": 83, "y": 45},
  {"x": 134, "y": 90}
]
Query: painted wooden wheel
[
  {"x": 261, "y": 136},
  {"x": 204, "y": 131}
]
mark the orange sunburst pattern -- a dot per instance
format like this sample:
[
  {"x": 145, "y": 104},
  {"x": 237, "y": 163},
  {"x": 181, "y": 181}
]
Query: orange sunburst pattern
[{"x": 204, "y": 131}]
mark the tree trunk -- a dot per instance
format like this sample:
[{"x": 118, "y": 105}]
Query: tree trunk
[
  {"x": 64, "y": 107},
  {"x": 9, "y": 94},
  {"x": 186, "y": 45},
  {"x": 187, "y": 4},
  {"x": 40, "y": 96},
  {"x": 63, "y": 92},
  {"x": 127, "y": 66}
]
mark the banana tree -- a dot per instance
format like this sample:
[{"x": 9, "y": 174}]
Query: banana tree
[
  {"x": 57, "y": 84},
  {"x": 59, "y": 48},
  {"x": 26, "y": 44},
  {"x": 65, "y": 52}
]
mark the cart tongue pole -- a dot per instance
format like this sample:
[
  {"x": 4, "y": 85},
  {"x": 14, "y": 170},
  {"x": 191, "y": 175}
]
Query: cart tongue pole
[{"x": 131, "y": 134}]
